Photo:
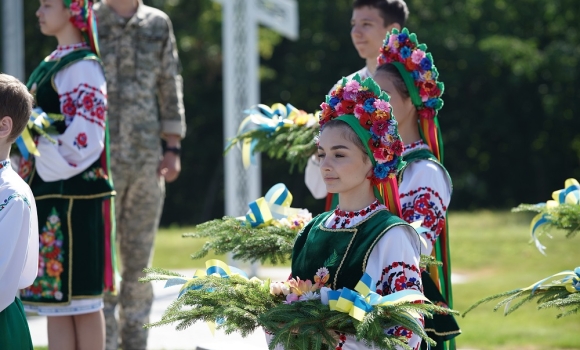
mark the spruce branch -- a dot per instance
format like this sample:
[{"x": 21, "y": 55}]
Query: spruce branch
[
  {"x": 294, "y": 143},
  {"x": 564, "y": 216},
  {"x": 230, "y": 235}
]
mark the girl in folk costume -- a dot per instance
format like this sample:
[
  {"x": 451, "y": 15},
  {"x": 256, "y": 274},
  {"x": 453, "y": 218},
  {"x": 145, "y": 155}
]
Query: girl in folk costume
[
  {"x": 407, "y": 73},
  {"x": 70, "y": 181},
  {"x": 360, "y": 153}
]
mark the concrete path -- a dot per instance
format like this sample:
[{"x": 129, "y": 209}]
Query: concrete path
[{"x": 196, "y": 337}]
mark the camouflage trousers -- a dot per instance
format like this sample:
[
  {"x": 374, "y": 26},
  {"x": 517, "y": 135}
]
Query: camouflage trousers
[{"x": 139, "y": 202}]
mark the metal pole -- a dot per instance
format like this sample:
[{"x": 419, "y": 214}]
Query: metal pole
[{"x": 13, "y": 38}]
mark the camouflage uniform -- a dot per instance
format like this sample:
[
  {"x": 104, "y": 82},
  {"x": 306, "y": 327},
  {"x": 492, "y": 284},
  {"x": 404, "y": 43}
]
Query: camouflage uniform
[{"x": 145, "y": 102}]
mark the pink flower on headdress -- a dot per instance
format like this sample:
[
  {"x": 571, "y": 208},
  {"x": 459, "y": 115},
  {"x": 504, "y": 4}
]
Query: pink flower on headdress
[
  {"x": 393, "y": 42},
  {"x": 350, "y": 90},
  {"x": 381, "y": 105},
  {"x": 75, "y": 8},
  {"x": 359, "y": 111},
  {"x": 417, "y": 56},
  {"x": 382, "y": 155}
]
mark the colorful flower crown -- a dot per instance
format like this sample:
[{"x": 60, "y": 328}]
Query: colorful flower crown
[
  {"x": 376, "y": 125},
  {"x": 80, "y": 13},
  {"x": 417, "y": 69}
]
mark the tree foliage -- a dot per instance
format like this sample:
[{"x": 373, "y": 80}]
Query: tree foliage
[{"x": 511, "y": 71}]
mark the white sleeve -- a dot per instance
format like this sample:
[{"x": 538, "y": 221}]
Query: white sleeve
[
  {"x": 425, "y": 193},
  {"x": 82, "y": 92},
  {"x": 14, "y": 235},
  {"x": 394, "y": 263},
  {"x": 313, "y": 178}
]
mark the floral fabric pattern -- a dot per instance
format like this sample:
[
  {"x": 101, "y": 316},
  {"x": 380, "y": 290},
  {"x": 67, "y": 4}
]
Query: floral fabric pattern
[
  {"x": 48, "y": 283},
  {"x": 84, "y": 101},
  {"x": 425, "y": 204},
  {"x": 95, "y": 174}
]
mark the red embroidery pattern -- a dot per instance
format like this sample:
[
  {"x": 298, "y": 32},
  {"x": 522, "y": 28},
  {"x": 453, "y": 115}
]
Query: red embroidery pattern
[
  {"x": 394, "y": 278},
  {"x": 427, "y": 205},
  {"x": 343, "y": 218},
  {"x": 81, "y": 140},
  {"x": 63, "y": 50},
  {"x": 341, "y": 341},
  {"x": 84, "y": 101}
]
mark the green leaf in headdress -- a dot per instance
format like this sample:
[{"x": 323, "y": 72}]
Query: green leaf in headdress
[
  {"x": 438, "y": 104},
  {"x": 384, "y": 96},
  {"x": 441, "y": 86},
  {"x": 344, "y": 81},
  {"x": 422, "y": 47},
  {"x": 430, "y": 57},
  {"x": 372, "y": 86},
  {"x": 357, "y": 78},
  {"x": 394, "y": 31},
  {"x": 328, "y": 97},
  {"x": 413, "y": 38}
]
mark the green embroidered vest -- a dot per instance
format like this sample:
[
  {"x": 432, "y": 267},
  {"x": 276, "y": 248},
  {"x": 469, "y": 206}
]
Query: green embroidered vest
[
  {"x": 421, "y": 154},
  {"x": 95, "y": 181},
  {"x": 344, "y": 252}
]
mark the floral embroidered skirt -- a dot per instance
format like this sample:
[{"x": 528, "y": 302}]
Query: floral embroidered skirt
[
  {"x": 14, "y": 332},
  {"x": 71, "y": 260}
]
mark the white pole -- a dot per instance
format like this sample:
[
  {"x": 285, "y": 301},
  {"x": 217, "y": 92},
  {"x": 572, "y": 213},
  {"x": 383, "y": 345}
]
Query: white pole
[
  {"x": 241, "y": 91},
  {"x": 13, "y": 38}
]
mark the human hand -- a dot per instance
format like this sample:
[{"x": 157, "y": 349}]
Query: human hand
[{"x": 170, "y": 166}]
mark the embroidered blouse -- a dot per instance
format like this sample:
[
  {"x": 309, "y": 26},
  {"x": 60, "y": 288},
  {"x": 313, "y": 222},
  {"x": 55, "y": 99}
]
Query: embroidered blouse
[
  {"x": 425, "y": 193},
  {"x": 82, "y": 91},
  {"x": 18, "y": 234},
  {"x": 393, "y": 263}
]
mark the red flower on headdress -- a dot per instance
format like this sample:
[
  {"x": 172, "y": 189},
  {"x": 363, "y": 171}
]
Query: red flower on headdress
[{"x": 427, "y": 113}]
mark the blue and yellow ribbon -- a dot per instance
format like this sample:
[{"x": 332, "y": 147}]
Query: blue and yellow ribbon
[
  {"x": 569, "y": 195},
  {"x": 39, "y": 121},
  {"x": 269, "y": 119},
  {"x": 362, "y": 300},
  {"x": 275, "y": 205},
  {"x": 571, "y": 281}
]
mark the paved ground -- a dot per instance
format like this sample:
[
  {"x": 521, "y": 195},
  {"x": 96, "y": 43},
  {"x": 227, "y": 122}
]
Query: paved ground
[{"x": 198, "y": 336}]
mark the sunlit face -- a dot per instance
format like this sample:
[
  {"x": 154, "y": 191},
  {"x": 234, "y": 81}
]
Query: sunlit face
[
  {"x": 53, "y": 17},
  {"x": 344, "y": 166},
  {"x": 403, "y": 108},
  {"x": 368, "y": 31}
]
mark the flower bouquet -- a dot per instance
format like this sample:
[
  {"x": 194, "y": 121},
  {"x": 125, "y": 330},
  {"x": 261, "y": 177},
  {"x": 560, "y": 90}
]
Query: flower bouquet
[
  {"x": 297, "y": 314},
  {"x": 280, "y": 131},
  {"x": 267, "y": 232}
]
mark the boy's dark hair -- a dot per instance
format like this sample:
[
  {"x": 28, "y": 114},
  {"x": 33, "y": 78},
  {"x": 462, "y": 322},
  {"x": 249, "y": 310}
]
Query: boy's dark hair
[
  {"x": 391, "y": 11},
  {"x": 16, "y": 103}
]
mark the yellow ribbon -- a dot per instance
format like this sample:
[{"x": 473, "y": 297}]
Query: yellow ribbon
[
  {"x": 275, "y": 205},
  {"x": 269, "y": 119},
  {"x": 360, "y": 302},
  {"x": 569, "y": 195}
]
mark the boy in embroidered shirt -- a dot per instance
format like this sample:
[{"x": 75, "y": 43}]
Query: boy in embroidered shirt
[{"x": 18, "y": 220}]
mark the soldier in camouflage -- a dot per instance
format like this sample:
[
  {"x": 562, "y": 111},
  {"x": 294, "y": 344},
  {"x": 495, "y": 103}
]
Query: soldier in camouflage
[{"x": 145, "y": 94}]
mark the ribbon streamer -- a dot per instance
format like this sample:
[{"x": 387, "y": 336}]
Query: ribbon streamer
[
  {"x": 569, "y": 195},
  {"x": 38, "y": 122},
  {"x": 275, "y": 205},
  {"x": 571, "y": 281},
  {"x": 269, "y": 119},
  {"x": 362, "y": 300}
]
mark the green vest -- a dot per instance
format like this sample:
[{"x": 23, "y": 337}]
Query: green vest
[
  {"x": 95, "y": 181},
  {"x": 421, "y": 154},
  {"x": 344, "y": 252}
]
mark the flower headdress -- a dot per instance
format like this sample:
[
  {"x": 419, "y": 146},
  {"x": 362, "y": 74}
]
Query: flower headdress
[
  {"x": 421, "y": 78},
  {"x": 84, "y": 19},
  {"x": 366, "y": 109}
]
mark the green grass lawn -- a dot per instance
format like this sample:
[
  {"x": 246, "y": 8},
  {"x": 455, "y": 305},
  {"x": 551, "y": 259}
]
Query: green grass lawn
[{"x": 491, "y": 249}]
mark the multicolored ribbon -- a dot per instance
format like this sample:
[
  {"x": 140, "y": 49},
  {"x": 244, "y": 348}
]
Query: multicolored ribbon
[
  {"x": 275, "y": 205},
  {"x": 269, "y": 119},
  {"x": 569, "y": 195},
  {"x": 362, "y": 300},
  {"x": 39, "y": 122},
  {"x": 571, "y": 281},
  {"x": 214, "y": 267}
]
